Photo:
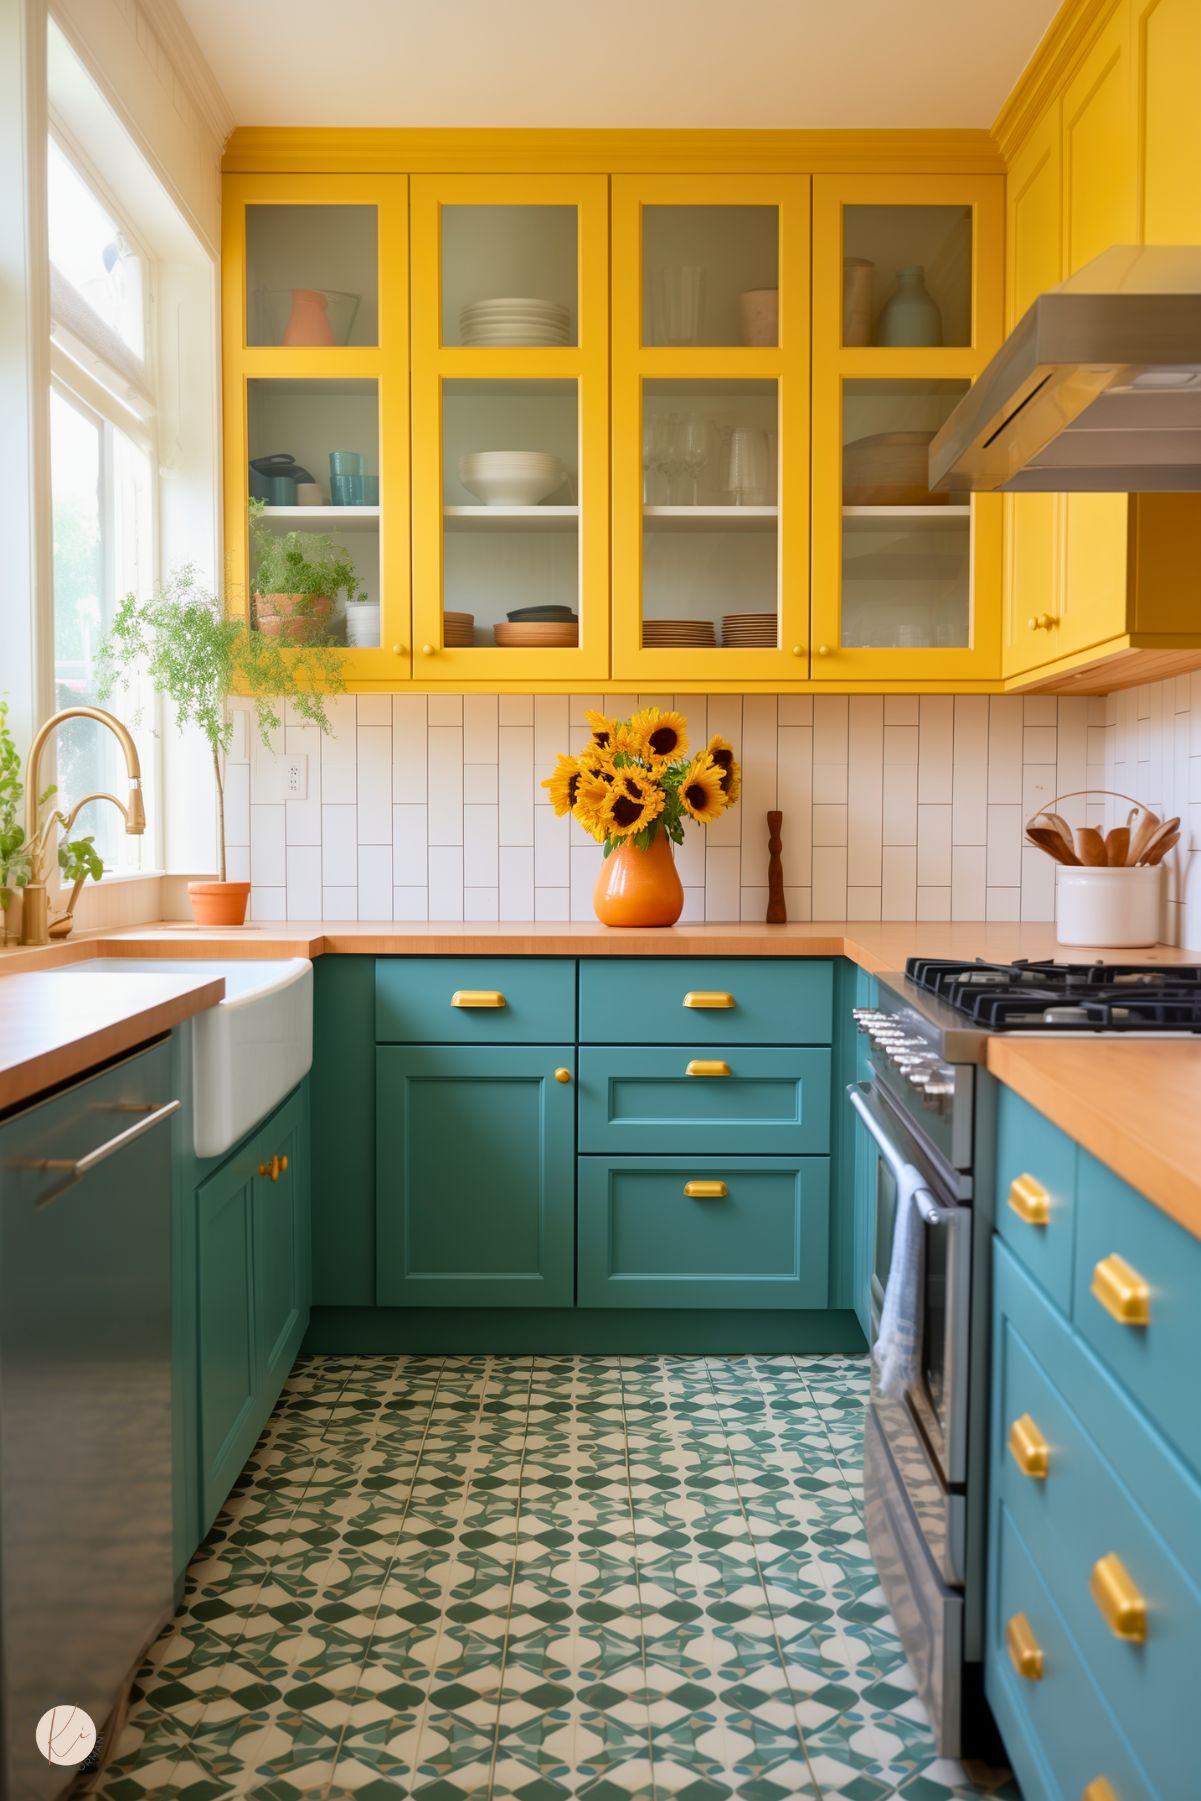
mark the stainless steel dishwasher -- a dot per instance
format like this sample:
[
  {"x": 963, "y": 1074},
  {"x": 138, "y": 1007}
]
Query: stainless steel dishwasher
[{"x": 85, "y": 1401}]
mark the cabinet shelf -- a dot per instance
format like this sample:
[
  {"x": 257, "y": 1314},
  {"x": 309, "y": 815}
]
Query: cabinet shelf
[
  {"x": 894, "y": 519},
  {"x": 511, "y": 519},
  {"x": 347, "y": 519},
  {"x": 711, "y": 519}
]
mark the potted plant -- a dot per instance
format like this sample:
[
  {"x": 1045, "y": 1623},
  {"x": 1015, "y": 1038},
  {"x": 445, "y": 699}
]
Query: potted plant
[
  {"x": 14, "y": 851},
  {"x": 632, "y": 788},
  {"x": 297, "y": 578},
  {"x": 197, "y": 657}
]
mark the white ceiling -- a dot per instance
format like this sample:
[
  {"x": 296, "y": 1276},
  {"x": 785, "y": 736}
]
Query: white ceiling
[{"x": 716, "y": 63}]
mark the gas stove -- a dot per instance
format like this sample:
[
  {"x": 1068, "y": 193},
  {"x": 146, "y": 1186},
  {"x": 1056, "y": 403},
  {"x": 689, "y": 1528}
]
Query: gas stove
[{"x": 1065, "y": 998}]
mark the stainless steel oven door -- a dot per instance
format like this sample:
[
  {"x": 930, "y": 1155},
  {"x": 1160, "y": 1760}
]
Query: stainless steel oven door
[{"x": 927, "y": 1431}]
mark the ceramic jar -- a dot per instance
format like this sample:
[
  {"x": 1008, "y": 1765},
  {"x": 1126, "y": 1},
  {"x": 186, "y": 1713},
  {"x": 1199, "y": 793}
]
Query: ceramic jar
[
  {"x": 639, "y": 887},
  {"x": 911, "y": 317},
  {"x": 759, "y": 316},
  {"x": 309, "y": 320},
  {"x": 858, "y": 274}
]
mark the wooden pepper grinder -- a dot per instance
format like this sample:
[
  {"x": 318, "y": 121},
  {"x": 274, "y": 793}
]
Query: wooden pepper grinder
[{"x": 777, "y": 912}]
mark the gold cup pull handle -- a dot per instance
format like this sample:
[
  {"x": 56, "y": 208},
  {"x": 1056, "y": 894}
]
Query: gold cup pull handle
[
  {"x": 1121, "y": 1606},
  {"x": 274, "y": 1169},
  {"x": 477, "y": 997},
  {"x": 707, "y": 998},
  {"x": 1099, "y": 1790},
  {"x": 1025, "y": 1652},
  {"x": 704, "y": 1066},
  {"x": 706, "y": 1191},
  {"x": 1122, "y": 1292},
  {"x": 1030, "y": 1201},
  {"x": 1029, "y": 1448}
]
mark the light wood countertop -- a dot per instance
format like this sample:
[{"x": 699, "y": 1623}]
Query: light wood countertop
[
  {"x": 1135, "y": 1105},
  {"x": 55, "y": 1026}
]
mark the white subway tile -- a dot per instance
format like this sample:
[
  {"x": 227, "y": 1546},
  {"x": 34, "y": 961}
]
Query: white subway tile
[
  {"x": 237, "y": 862},
  {"x": 410, "y": 904},
  {"x": 690, "y": 856},
  {"x": 268, "y": 903},
  {"x": 481, "y": 903},
  {"x": 304, "y": 881},
  {"x": 863, "y": 903},
  {"x": 794, "y": 777},
  {"x": 375, "y": 785},
  {"x": 898, "y": 886},
  {"x": 375, "y": 881},
  {"x": 829, "y": 783},
  {"x": 302, "y": 824},
  {"x": 901, "y": 709},
  {"x": 1040, "y": 709},
  {"x": 481, "y": 847},
  {"x": 795, "y": 709},
  {"x": 967, "y": 881},
  {"x": 410, "y": 726},
  {"x": 1005, "y": 748},
  {"x": 445, "y": 790},
  {"x": 865, "y": 818},
  {"x": 339, "y": 846},
  {"x": 899, "y": 793},
  {"x": 410, "y": 846},
  {"x": 237, "y": 804},
  {"x": 936, "y": 748},
  {"x": 798, "y": 904},
  {"x": 515, "y": 709},
  {"x": 339, "y": 903},
  {"x": 480, "y": 783},
  {"x": 579, "y": 732},
  {"x": 830, "y": 728},
  {"x": 1003, "y": 904},
  {"x": 268, "y": 867},
  {"x": 445, "y": 709},
  {"x": 934, "y": 846},
  {"x": 829, "y": 825},
  {"x": 1039, "y": 787},
  {"x": 374, "y": 709},
  {"x": 1038, "y": 884},
  {"x": 550, "y": 741},
  {"x": 970, "y": 792},
  {"x": 1039, "y": 744},
  {"x": 552, "y": 903},
  {"x": 722, "y": 884},
  {"x": 694, "y": 907},
  {"x": 339, "y": 750},
  {"x": 829, "y": 881},
  {"x": 934, "y": 903},
  {"x": 552, "y": 848},
  {"x": 516, "y": 873},
  {"x": 752, "y": 905},
  {"x": 516, "y": 746},
  {"x": 1004, "y": 847},
  {"x": 480, "y": 714},
  {"x": 586, "y": 861},
  {"x": 446, "y": 881}
]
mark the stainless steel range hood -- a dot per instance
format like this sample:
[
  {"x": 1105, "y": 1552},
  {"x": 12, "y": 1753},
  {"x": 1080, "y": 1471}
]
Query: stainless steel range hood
[{"x": 1097, "y": 389}]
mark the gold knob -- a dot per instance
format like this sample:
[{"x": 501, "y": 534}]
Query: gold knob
[
  {"x": 823, "y": 650},
  {"x": 1040, "y": 623},
  {"x": 398, "y": 650},
  {"x": 706, "y": 1191},
  {"x": 798, "y": 650},
  {"x": 1030, "y": 1201},
  {"x": 1099, "y": 1790},
  {"x": 1029, "y": 1448},
  {"x": 701, "y": 1066},
  {"x": 274, "y": 1169},
  {"x": 1123, "y": 1608},
  {"x": 427, "y": 650},
  {"x": 1025, "y": 1652},
  {"x": 562, "y": 1075},
  {"x": 1122, "y": 1292}
]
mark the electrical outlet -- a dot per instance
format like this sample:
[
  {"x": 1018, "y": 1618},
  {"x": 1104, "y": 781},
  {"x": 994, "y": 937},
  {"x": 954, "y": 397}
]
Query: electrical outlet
[{"x": 294, "y": 777}]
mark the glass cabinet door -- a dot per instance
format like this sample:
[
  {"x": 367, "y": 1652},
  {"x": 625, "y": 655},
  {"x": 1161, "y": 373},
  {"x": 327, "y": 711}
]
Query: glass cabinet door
[
  {"x": 316, "y": 418},
  {"x": 510, "y": 409},
  {"x": 907, "y": 310},
  {"x": 710, "y": 429}
]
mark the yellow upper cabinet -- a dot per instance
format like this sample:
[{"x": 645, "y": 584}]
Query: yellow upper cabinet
[
  {"x": 510, "y": 429},
  {"x": 907, "y": 309},
  {"x": 710, "y": 430},
  {"x": 1168, "y": 57},
  {"x": 315, "y": 325}
]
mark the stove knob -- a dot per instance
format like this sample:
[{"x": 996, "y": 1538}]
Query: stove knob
[{"x": 866, "y": 1017}]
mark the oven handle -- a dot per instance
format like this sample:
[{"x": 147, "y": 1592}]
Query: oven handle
[{"x": 927, "y": 1206}]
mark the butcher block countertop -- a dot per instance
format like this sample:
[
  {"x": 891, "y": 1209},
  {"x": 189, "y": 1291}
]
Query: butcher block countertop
[{"x": 55, "y": 1026}]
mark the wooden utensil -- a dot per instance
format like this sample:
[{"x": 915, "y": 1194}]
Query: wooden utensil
[
  {"x": 1063, "y": 828},
  {"x": 1116, "y": 846},
  {"x": 1159, "y": 851},
  {"x": 1090, "y": 847},
  {"x": 1049, "y": 840},
  {"x": 1143, "y": 831},
  {"x": 1157, "y": 837}
]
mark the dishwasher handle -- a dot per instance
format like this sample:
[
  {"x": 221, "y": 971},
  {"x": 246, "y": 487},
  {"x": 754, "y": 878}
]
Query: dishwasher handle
[
  {"x": 73, "y": 1169},
  {"x": 927, "y": 1206}
]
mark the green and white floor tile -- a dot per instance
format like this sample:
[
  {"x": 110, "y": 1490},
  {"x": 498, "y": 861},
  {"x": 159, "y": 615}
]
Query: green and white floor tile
[{"x": 622, "y": 1579}]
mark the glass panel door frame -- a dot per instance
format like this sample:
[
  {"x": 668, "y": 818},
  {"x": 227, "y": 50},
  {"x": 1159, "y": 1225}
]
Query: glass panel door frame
[
  {"x": 385, "y": 363},
  {"x": 586, "y": 363},
  {"x": 834, "y": 364},
  {"x": 634, "y": 364}
]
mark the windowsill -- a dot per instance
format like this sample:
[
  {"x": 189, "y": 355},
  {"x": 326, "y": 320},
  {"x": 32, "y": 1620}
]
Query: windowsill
[{"x": 114, "y": 878}]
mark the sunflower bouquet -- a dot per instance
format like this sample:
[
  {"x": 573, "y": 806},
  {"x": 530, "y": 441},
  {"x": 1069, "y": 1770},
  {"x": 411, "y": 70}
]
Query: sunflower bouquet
[{"x": 636, "y": 776}]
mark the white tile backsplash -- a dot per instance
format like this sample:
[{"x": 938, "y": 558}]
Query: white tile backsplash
[{"x": 894, "y": 807}]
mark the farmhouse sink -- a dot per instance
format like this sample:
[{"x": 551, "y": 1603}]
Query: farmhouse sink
[{"x": 248, "y": 1051}]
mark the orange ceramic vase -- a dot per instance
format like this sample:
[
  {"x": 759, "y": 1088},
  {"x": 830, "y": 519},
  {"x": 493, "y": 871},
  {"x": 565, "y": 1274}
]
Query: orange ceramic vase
[
  {"x": 219, "y": 903},
  {"x": 639, "y": 887}
]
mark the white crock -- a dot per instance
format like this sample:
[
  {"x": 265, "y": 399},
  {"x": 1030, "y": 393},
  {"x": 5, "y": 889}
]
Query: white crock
[{"x": 1108, "y": 907}]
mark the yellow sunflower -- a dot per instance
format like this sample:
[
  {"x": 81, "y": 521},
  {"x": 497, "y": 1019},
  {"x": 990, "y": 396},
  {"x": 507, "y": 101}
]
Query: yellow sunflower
[
  {"x": 664, "y": 734},
  {"x": 634, "y": 801},
  {"x": 701, "y": 793},
  {"x": 602, "y": 729},
  {"x": 722, "y": 755},
  {"x": 562, "y": 785},
  {"x": 626, "y": 739},
  {"x": 591, "y": 798}
]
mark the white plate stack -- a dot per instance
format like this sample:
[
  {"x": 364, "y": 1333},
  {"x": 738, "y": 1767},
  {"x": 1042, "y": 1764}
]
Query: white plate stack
[{"x": 517, "y": 321}]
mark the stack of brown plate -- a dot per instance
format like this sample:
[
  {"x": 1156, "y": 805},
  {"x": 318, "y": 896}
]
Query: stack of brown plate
[
  {"x": 458, "y": 629},
  {"x": 665, "y": 634},
  {"x": 538, "y": 634},
  {"x": 759, "y": 629}
]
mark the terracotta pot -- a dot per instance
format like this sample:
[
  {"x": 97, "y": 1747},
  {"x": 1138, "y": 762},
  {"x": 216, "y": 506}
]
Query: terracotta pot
[
  {"x": 219, "y": 903},
  {"x": 309, "y": 321},
  {"x": 296, "y": 618},
  {"x": 639, "y": 887}
]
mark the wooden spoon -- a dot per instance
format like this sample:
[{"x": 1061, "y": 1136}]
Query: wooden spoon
[
  {"x": 1090, "y": 846},
  {"x": 1117, "y": 846},
  {"x": 1063, "y": 828},
  {"x": 1148, "y": 824},
  {"x": 1156, "y": 839},
  {"x": 1049, "y": 840},
  {"x": 1159, "y": 849}
]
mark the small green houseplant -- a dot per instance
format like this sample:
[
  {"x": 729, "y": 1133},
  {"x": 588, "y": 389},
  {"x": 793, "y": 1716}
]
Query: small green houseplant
[
  {"x": 198, "y": 658},
  {"x": 78, "y": 858},
  {"x": 297, "y": 578}
]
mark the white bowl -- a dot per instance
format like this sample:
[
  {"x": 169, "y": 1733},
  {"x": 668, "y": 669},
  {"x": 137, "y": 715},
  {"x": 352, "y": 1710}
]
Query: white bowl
[{"x": 510, "y": 488}]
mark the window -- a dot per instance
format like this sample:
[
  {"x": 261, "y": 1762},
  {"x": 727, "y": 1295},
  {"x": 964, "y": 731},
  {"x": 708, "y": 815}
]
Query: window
[{"x": 103, "y": 485}]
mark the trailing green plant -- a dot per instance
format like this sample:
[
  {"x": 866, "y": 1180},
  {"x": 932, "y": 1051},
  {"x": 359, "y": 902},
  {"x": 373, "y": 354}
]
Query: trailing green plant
[
  {"x": 310, "y": 564},
  {"x": 15, "y": 866},
  {"x": 198, "y": 658},
  {"x": 78, "y": 859}
]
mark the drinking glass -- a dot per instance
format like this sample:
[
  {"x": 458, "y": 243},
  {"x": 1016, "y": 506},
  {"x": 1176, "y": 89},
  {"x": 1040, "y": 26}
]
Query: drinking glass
[
  {"x": 697, "y": 448},
  {"x": 747, "y": 474},
  {"x": 679, "y": 301}
]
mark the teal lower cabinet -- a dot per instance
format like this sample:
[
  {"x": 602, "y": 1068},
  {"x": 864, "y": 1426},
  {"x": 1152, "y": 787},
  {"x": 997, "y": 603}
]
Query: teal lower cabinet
[
  {"x": 703, "y": 1231},
  {"x": 1094, "y": 1601},
  {"x": 475, "y": 1175},
  {"x": 711, "y": 1098},
  {"x": 252, "y": 1294}
]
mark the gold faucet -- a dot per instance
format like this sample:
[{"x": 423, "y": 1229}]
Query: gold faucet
[{"x": 35, "y": 911}]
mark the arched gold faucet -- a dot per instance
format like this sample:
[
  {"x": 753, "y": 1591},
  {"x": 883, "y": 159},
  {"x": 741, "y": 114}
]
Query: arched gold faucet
[{"x": 35, "y": 921}]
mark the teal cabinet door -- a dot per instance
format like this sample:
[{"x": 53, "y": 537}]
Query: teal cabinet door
[
  {"x": 281, "y": 1248},
  {"x": 227, "y": 1365},
  {"x": 692, "y": 1000},
  {"x": 862, "y": 1160},
  {"x": 475, "y": 1165},
  {"x": 774, "y": 1100},
  {"x": 704, "y": 1231}
]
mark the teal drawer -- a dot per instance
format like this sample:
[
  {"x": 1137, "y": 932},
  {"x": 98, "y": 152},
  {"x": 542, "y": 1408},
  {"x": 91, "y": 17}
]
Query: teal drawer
[
  {"x": 760, "y": 1240},
  {"x": 1071, "y": 1519},
  {"x": 773, "y": 1100},
  {"x": 1057, "y": 1729},
  {"x": 670, "y": 1000},
  {"x": 1160, "y": 1362},
  {"x": 1036, "y": 1168},
  {"x": 415, "y": 1000}
]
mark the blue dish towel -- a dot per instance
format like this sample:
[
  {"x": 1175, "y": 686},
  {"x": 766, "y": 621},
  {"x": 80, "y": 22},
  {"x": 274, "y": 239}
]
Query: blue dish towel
[{"x": 898, "y": 1346}]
